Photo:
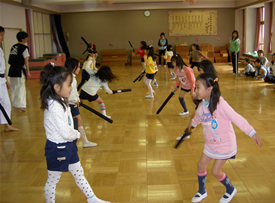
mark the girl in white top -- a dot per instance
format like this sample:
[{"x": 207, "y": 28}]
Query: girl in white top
[
  {"x": 73, "y": 66},
  {"x": 248, "y": 71},
  {"x": 61, "y": 150},
  {"x": 91, "y": 62},
  {"x": 98, "y": 78}
]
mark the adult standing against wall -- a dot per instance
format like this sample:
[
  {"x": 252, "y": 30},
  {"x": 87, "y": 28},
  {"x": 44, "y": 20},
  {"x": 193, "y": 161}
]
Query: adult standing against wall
[
  {"x": 234, "y": 50},
  {"x": 19, "y": 69},
  {"x": 163, "y": 42}
]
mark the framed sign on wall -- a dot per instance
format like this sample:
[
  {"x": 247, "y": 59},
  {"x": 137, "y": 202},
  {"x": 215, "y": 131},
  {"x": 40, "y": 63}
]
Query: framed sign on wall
[{"x": 191, "y": 23}]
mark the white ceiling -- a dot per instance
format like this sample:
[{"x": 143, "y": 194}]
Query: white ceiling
[
  {"x": 66, "y": 2},
  {"x": 67, "y": 6}
]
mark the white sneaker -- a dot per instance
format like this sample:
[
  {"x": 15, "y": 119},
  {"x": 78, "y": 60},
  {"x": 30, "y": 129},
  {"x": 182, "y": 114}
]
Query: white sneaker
[
  {"x": 96, "y": 200},
  {"x": 173, "y": 77},
  {"x": 149, "y": 92},
  {"x": 89, "y": 144},
  {"x": 149, "y": 96},
  {"x": 198, "y": 197},
  {"x": 183, "y": 113},
  {"x": 164, "y": 65},
  {"x": 187, "y": 137},
  {"x": 229, "y": 197}
]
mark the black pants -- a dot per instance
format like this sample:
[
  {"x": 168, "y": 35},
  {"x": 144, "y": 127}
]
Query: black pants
[
  {"x": 193, "y": 64},
  {"x": 252, "y": 74},
  {"x": 235, "y": 62},
  {"x": 270, "y": 78},
  {"x": 85, "y": 77},
  {"x": 162, "y": 52}
]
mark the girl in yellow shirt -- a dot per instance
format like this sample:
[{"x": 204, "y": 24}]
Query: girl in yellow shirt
[{"x": 150, "y": 70}]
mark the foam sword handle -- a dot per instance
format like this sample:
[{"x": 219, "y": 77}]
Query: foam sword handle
[
  {"x": 96, "y": 112},
  {"x": 132, "y": 46},
  {"x": 186, "y": 133},
  {"x": 139, "y": 76},
  {"x": 5, "y": 114},
  {"x": 119, "y": 91},
  {"x": 166, "y": 101}
]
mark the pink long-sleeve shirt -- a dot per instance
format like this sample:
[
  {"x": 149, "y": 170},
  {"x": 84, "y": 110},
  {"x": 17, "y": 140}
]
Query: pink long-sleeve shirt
[
  {"x": 186, "y": 78},
  {"x": 218, "y": 132}
]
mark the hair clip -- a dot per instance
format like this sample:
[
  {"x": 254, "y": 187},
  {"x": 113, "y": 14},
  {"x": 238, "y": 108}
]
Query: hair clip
[
  {"x": 52, "y": 64},
  {"x": 216, "y": 80}
]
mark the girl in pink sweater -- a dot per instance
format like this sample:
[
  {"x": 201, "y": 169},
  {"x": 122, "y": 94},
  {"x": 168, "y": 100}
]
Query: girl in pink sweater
[
  {"x": 186, "y": 79},
  {"x": 215, "y": 115}
]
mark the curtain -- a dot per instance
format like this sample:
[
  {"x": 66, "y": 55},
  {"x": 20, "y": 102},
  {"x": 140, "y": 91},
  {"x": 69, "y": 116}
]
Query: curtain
[
  {"x": 243, "y": 37},
  {"x": 58, "y": 36},
  {"x": 269, "y": 48},
  {"x": 28, "y": 22},
  {"x": 258, "y": 29}
]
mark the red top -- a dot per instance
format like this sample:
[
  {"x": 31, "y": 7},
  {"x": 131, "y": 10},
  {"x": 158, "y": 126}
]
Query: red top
[{"x": 141, "y": 52}]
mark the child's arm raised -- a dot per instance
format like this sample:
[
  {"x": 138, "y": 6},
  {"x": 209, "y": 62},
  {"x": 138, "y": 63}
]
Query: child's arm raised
[
  {"x": 239, "y": 121},
  {"x": 191, "y": 77},
  {"x": 146, "y": 59},
  {"x": 89, "y": 67}
]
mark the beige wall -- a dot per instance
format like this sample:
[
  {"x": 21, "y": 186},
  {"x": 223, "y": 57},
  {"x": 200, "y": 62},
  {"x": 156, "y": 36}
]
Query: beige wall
[
  {"x": 118, "y": 27},
  {"x": 12, "y": 16}
]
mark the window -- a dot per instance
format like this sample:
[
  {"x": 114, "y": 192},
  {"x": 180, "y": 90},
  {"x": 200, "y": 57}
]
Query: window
[{"x": 42, "y": 34}]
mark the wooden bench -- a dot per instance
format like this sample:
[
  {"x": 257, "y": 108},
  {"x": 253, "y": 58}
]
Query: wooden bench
[
  {"x": 114, "y": 57},
  {"x": 135, "y": 59}
]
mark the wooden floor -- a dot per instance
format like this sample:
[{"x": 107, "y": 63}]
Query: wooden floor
[{"x": 135, "y": 160}]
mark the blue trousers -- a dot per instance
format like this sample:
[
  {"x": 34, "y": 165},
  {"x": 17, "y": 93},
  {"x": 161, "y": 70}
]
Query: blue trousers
[{"x": 235, "y": 62}]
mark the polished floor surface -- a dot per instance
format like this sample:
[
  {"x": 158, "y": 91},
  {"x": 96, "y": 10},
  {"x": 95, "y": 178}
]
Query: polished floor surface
[{"x": 135, "y": 160}]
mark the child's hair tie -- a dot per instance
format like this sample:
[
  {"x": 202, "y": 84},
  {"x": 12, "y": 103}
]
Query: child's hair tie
[
  {"x": 52, "y": 64},
  {"x": 216, "y": 80}
]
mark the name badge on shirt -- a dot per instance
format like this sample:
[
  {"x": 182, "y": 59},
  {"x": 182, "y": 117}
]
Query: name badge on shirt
[{"x": 214, "y": 124}]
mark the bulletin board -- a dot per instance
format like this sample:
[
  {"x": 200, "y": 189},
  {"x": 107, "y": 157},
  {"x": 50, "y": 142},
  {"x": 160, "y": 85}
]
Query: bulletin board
[{"x": 192, "y": 23}]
